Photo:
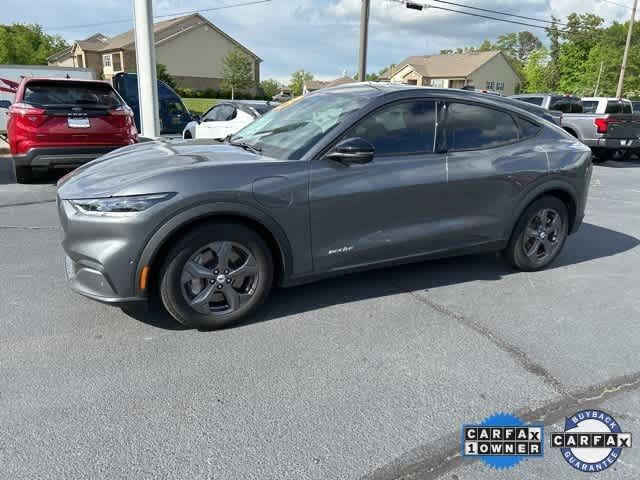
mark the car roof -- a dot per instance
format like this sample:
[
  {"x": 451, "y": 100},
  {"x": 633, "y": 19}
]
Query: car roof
[{"x": 63, "y": 79}]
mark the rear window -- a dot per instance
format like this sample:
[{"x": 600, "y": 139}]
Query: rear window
[
  {"x": 61, "y": 94},
  {"x": 531, "y": 100},
  {"x": 614, "y": 106},
  {"x": 589, "y": 106},
  {"x": 562, "y": 104}
]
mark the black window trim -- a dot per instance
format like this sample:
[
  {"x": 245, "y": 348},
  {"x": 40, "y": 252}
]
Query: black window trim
[
  {"x": 438, "y": 104},
  {"x": 491, "y": 107}
]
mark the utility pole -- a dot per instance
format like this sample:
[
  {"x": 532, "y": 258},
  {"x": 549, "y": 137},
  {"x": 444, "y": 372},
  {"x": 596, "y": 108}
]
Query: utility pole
[
  {"x": 595, "y": 92},
  {"x": 146, "y": 64},
  {"x": 626, "y": 50},
  {"x": 364, "y": 34}
]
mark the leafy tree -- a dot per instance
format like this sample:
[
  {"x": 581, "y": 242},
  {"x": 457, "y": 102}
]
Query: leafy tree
[
  {"x": 298, "y": 79},
  {"x": 270, "y": 87},
  {"x": 27, "y": 44},
  {"x": 536, "y": 71},
  {"x": 237, "y": 72},
  {"x": 163, "y": 74}
]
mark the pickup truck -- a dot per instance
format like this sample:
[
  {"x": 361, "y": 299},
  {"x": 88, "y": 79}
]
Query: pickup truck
[{"x": 607, "y": 125}]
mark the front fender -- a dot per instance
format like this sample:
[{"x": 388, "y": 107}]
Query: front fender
[{"x": 212, "y": 209}]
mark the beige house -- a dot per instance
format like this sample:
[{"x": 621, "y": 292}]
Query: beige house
[
  {"x": 191, "y": 47},
  {"x": 484, "y": 70},
  {"x": 314, "y": 85}
]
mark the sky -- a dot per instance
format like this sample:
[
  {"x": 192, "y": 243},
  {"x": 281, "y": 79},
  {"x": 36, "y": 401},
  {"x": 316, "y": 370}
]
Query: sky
[{"x": 320, "y": 36}]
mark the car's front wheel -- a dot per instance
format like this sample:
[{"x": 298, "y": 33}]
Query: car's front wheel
[
  {"x": 539, "y": 235},
  {"x": 216, "y": 275}
]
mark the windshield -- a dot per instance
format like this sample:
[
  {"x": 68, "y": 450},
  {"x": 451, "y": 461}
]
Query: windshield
[{"x": 290, "y": 129}]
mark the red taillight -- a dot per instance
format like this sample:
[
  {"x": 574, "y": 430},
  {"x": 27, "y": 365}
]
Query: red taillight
[
  {"x": 602, "y": 124},
  {"x": 29, "y": 114}
]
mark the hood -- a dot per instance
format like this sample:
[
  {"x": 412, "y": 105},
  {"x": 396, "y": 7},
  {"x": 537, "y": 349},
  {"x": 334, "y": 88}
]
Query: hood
[{"x": 135, "y": 164}]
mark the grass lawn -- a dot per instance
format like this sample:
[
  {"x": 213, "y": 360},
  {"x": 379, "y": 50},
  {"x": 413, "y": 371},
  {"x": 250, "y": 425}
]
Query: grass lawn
[{"x": 199, "y": 105}]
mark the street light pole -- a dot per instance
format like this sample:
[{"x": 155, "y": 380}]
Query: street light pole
[
  {"x": 626, "y": 50},
  {"x": 364, "y": 34},
  {"x": 146, "y": 64}
]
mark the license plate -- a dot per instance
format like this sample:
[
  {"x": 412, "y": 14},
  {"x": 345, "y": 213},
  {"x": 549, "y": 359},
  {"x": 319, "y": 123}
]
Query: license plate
[{"x": 78, "y": 122}]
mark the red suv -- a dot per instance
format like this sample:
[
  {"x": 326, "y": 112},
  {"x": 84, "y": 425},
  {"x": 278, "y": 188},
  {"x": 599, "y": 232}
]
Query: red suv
[{"x": 59, "y": 123}]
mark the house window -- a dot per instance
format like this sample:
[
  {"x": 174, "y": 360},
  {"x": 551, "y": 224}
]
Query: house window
[
  {"x": 500, "y": 86},
  {"x": 117, "y": 62},
  {"x": 491, "y": 85},
  {"x": 106, "y": 60}
]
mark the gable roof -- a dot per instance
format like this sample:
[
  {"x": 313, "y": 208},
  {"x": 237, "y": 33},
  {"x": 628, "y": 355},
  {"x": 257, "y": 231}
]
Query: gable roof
[
  {"x": 67, "y": 52},
  {"x": 453, "y": 65},
  {"x": 162, "y": 31}
]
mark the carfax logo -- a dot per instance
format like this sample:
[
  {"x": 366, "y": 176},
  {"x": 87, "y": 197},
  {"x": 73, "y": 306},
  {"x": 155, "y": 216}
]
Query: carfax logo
[
  {"x": 502, "y": 441},
  {"x": 592, "y": 440}
]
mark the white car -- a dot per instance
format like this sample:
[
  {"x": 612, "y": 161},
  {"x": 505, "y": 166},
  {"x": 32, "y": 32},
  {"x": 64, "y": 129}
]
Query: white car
[{"x": 226, "y": 118}]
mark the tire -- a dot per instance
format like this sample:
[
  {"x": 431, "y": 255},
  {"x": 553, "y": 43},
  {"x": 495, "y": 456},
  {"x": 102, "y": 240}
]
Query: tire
[
  {"x": 618, "y": 155},
  {"x": 205, "y": 302},
  {"x": 187, "y": 135},
  {"x": 23, "y": 174},
  {"x": 598, "y": 155},
  {"x": 522, "y": 252}
]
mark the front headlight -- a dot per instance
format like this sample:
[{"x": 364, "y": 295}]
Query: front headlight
[{"x": 120, "y": 205}]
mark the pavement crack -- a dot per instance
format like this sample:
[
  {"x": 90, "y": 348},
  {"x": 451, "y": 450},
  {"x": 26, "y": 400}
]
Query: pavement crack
[
  {"x": 21, "y": 227},
  {"x": 514, "y": 352},
  {"x": 432, "y": 461},
  {"x": 24, "y": 204}
]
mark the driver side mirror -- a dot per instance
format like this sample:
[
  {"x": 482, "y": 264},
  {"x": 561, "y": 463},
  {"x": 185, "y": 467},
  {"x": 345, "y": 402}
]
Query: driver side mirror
[{"x": 352, "y": 150}]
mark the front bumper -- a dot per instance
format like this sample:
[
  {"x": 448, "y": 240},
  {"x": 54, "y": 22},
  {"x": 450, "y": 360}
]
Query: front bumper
[
  {"x": 61, "y": 157},
  {"x": 102, "y": 253},
  {"x": 95, "y": 284}
]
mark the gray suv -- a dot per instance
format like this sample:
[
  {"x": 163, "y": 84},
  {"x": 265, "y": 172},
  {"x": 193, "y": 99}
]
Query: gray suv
[{"x": 347, "y": 178}]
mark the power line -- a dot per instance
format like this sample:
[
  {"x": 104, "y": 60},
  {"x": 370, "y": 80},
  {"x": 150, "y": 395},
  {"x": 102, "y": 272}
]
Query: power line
[
  {"x": 173, "y": 14},
  {"x": 552, "y": 22},
  {"x": 422, "y": 6}
]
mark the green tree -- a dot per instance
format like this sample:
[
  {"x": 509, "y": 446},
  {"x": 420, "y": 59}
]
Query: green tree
[
  {"x": 270, "y": 87},
  {"x": 298, "y": 79},
  {"x": 27, "y": 44},
  {"x": 163, "y": 74},
  {"x": 237, "y": 72},
  {"x": 536, "y": 71}
]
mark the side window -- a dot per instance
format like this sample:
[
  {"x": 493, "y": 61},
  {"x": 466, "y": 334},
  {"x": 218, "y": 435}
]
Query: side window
[
  {"x": 527, "y": 129},
  {"x": 399, "y": 129},
  {"x": 219, "y": 113},
  {"x": 561, "y": 103},
  {"x": 626, "y": 107},
  {"x": 475, "y": 127},
  {"x": 576, "y": 107},
  {"x": 531, "y": 100},
  {"x": 589, "y": 106},
  {"x": 613, "y": 106}
]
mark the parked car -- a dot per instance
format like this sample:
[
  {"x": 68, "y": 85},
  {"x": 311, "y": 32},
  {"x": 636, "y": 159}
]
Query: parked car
[
  {"x": 552, "y": 101},
  {"x": 174, "y": 116},
  {"x": 607, "y": 125},
  {"x": 60, "y": 123},
  {"x": 347, "y": 178},
  {"x": 283, "y": 96},
  {"x": 226, "y": 118},
  {"x": 553, "y": 116},
  {"x": 11, "y": 75}
]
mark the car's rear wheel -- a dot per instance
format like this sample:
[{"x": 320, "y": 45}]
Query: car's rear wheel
[
  {"x": 539, "y": 235},
  {"x": 216, "y": 275},
  {"x": 23, "y": 174},
  {"x": 187, "y": 135}
]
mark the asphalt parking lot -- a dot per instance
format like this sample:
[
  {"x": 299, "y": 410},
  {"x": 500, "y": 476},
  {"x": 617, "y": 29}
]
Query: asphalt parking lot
[{"x": 366, "y": 376}]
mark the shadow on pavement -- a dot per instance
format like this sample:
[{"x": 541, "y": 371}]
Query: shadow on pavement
[{"x": 589, "y": 243}]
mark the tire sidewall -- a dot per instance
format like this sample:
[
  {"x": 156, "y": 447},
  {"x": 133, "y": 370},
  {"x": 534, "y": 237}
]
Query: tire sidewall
[
  {"x": 515, "y": 251},
  {"x": 170, "y": 285}
]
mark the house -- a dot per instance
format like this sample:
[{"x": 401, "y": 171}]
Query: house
[
  {"x": 313, "y": 85},
  {"x": 486, "y": 70},
  {"x": 191, "y": 47}
]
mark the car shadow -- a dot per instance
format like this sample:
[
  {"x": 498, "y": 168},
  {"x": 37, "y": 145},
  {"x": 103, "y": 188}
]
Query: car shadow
[
  {"x": 589, "y": 243},
  {"x": 632, "y": 162}
]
